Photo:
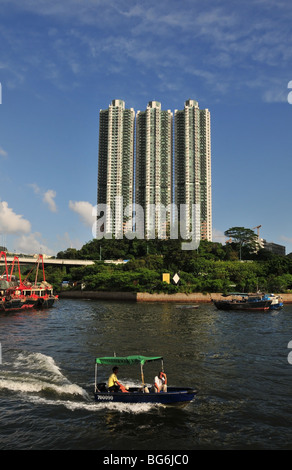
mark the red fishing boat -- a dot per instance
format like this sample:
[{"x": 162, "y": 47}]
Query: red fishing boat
[{"x": 18, "y": 294}]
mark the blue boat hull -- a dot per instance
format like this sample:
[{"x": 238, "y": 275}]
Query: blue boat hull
[{"x": 173, "y": 395}]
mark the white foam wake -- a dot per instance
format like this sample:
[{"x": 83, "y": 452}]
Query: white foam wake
[
  {"x": 92, "y": 406},
  {"x": 39, "y": 380},
  {"x": 34, "y": 386},
  {"x": 35, "y": 373}
]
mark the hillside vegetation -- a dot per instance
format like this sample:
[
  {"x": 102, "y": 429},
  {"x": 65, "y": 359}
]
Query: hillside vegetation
[{"x": 212, "y": 268}]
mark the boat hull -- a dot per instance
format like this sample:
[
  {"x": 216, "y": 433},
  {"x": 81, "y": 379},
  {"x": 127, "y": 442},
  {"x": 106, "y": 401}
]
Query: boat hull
[
  {"x": 44, "y": 303},
  {"x": 172, "y": 396},
  {"x": 14, "y": 305},
  {"x": 243, "y": 306}
]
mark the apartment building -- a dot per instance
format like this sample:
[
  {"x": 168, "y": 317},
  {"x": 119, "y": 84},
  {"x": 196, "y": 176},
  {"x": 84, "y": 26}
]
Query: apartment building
[
  {"x": 116, "y": 163},
  {"x": 154, "y": 150},
  {"x": 192, "y": 155},
  {"x": 165, "y": 173}
]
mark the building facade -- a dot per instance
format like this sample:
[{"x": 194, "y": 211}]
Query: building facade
[
  {"x": 165, "y": 173},
  {"x": 153, "y": 188},
  {"x": 275, "y": 248},
  {"x": 192, "y": 155},
  {"x": 116, "y": 164}
]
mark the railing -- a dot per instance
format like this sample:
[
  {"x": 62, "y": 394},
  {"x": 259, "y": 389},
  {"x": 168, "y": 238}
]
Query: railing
[{"x": 29, "y": 260}]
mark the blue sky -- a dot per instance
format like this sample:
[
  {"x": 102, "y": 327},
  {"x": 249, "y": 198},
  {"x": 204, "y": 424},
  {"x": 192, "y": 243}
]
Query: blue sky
[{"x": 61, "y": 62}]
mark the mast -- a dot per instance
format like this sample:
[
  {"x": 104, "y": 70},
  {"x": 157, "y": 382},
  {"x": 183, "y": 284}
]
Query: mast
[
  {"x": 12, "y": 267},
  {"x": 6, "y": 268},
  {"x": 95, "y": 378}
]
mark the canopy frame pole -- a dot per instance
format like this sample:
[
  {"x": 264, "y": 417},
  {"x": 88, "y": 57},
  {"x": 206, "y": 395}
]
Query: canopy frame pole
[
  {"x": 95, "y": 378},
  {"x": 162, "y": 368},
  {"x": 142, "y": 374}
]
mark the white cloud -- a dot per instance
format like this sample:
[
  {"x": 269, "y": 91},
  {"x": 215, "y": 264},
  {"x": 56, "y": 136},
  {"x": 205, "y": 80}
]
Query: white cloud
[
  {"x": 232, "y": 39},
  {"x": 48, "y": 198},
  {"x": 31, "y": 244},
  {"x": 35, "y": 187},
  {"x": 66, "y": 241},
  {"x": 275, "y": 96},
  {"x": 10, "y": 222},
  {"x": 3, "y": 153},
  {"x": 14, "y": 224},
  {"x": 84, "y": 210},
  {"x": 286, "y": 239}
]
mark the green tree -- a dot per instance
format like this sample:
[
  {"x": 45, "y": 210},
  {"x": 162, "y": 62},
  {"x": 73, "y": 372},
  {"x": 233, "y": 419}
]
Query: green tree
[{"x": 243, "y": 237}]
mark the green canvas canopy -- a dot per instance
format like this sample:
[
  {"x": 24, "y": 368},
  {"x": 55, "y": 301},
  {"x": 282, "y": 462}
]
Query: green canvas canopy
[{"x": 117, "y": 361}]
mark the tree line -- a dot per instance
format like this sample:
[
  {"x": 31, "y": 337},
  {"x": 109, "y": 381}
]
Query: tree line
[{"x": 213, "y": 267}]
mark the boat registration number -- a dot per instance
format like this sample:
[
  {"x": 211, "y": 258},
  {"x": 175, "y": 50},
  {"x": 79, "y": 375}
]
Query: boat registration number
[{"x": 105, "y": 397}]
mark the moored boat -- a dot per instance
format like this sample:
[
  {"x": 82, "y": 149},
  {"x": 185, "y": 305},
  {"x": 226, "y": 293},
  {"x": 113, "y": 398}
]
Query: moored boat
[
  {"x": 40, "y": 294},
  {"x": 17, "y": 294},
  {"x": 244, "y": 302},
  {"x": 173, "y": 395}
]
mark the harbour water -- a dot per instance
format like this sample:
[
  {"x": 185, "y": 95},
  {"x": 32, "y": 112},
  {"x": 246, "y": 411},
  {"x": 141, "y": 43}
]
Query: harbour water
[{"x": 237, "y": 361}]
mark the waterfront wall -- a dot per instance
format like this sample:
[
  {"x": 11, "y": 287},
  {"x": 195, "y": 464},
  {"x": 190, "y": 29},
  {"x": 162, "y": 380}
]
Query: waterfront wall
[
  {"x": 178, "y": 297},
  {"x": 146, "y": 297},
  {"x": 82, "y": 294},
  {"x": 140, "y": 296}
]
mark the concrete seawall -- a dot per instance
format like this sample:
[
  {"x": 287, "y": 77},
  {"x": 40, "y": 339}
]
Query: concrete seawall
[
  {"x": 179, "y": 297},
  {"x": 77, "y": 294},
  {"x": 146, "y": 297}
]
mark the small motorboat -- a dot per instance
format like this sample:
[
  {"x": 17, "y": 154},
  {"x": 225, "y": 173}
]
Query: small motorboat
[{"x": 173, "y": 395}]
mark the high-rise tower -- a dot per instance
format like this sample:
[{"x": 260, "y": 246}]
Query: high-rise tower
[
  {"x": 154, "y": 167},
  {"x": 193, "y": 164},
  {"x": 154, "y": 188},
  {"x": 115, "y": 163}
]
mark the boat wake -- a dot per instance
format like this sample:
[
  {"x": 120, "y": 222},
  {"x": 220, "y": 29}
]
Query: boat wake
[
  {"x": 37, "y": 379},
  {"x": 36, "y": 373},
  {"x": 97, "y": 407}
]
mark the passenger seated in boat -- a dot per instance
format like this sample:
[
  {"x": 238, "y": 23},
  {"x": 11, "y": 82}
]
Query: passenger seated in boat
[
  {"x": 160, "y": 383},
  {"x": 113, "y": 384}
]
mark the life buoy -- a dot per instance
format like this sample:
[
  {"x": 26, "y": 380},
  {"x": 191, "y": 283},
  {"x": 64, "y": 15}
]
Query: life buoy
[
  {"x": 122, "y": 388},
  {"x": 163, "y": 377}
]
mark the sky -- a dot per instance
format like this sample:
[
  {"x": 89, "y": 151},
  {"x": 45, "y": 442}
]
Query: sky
[{"x": 61, "y": 62}]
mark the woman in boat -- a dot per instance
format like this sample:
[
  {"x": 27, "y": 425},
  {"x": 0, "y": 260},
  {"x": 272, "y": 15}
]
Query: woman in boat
[{"x": 160, "y": 382}]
